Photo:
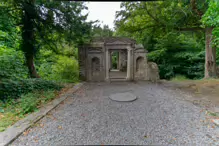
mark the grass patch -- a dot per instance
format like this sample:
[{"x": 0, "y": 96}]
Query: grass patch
[
  {"x": 15, "y": 109},
  {"x": 179, "y": 78},
  {"x": 213, "y": 114}
]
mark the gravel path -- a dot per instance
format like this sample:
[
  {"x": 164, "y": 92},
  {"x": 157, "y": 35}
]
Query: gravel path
[{"x": 159, "y": 116}]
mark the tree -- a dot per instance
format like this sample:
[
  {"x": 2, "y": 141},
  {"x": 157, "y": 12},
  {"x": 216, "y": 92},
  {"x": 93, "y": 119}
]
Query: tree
[
  {"x": 211, "y": 20},
  {"x": 98, "y": 31},
  {"x": 161, "y": 17},
  {"x": 39, "y": 20}
]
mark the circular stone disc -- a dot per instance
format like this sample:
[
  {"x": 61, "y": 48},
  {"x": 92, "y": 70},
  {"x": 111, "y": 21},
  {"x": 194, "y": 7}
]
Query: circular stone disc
[{"x": 123, "y": 97}]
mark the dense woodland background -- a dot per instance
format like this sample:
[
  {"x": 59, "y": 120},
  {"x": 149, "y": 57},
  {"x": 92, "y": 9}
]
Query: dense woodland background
[{"x": 39, "y": 42}]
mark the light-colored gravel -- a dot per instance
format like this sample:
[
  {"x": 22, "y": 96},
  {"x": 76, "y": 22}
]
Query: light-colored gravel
[{"x": 159, "y": 116}]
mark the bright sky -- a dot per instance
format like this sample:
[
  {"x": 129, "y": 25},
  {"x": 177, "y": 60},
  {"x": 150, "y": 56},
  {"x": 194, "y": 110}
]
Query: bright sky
[{"x": 103, "y": 11}]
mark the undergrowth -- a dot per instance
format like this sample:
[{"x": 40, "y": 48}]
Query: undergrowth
[
  {"x": 12, "y": 89},
  {"x": 179, "y": 78},
  {"x": 14, "y": 109}
]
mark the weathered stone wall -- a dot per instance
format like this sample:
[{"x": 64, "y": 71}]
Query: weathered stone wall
[
  {"x": 140, "y": 64},
  {"x": 140, "y": 68},
  {"x": 82, "y": 63},
  {"x": 153, "y": 72},
  {"x": 93, "y": 62},
  {"x": 123, "y": 60},
  {"x": 217, "y": 69}
]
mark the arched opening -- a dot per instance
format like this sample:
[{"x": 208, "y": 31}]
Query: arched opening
[
  {"x": 139, "y": 63},
  {"x": 117, "y": 64},
  {"x": 95, "y": 66}
]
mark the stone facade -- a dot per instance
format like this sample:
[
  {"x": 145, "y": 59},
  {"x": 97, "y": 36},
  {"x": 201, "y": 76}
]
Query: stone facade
[{"x": 95, "y": 60}]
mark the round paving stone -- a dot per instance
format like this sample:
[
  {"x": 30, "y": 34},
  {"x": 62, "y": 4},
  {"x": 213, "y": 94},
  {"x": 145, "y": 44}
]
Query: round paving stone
[{"x": 126, "y": 96}]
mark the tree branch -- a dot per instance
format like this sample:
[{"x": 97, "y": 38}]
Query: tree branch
[
  {"x": 194, "y": 8},
  {"x": 190, "y": 29},
  {"x": 155, "y": 19}
]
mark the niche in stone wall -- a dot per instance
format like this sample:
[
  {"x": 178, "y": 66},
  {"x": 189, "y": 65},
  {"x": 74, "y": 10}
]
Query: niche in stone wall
[
  {"x": 95, "y": 66},
  {"x": 139, "y": 64}
]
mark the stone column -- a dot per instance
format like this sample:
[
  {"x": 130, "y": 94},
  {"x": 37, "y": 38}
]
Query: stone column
[
  {"x": 107, "y": 64},
  {"x": 120, "y": 60},
  {"x": 117, "y": 56},
  {"x": 128, "y": 63},
  {"x": 110, "y": 62}
]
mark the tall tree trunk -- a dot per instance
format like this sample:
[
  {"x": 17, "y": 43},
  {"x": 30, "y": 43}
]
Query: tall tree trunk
[
  {"x": 210, "y": 55},
  {"x": 28, "y": 38},
  {"x": 31, "y": 67}
]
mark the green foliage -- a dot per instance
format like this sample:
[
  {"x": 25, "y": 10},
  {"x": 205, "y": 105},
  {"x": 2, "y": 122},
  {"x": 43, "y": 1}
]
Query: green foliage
[
  {"x": 28, "y": 33},
  {"x": 7, "y": 120},
  {"x": 15, "y": 109},
  {"x": 172, "y": 31},
  {"x": 114, "y": 60},
  {"x": 60, "y": 68},
  {"x": 15, "y": 88},
  {"x": 211, "y": 16},
  {"x": 12, "y": 64},
  {"x": 177, "y": 54},
  {"x": 179, "y": 78},
  {"x": 98, "y": 31},
  {"x": 35, "y": 25},
  {"x": 65, "y": 69},
  {"x": 30, "y": 102}
]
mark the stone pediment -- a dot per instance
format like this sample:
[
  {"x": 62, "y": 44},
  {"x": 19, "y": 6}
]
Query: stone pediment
[
  {"x": 117, "y": 42},
  {"x": 114, "y": 40},
  {"x": 94, "y": 49}
]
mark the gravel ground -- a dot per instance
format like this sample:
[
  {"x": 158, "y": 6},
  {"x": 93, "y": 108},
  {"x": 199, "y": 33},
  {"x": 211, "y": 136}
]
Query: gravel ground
[{"x": 159, "y": 116}]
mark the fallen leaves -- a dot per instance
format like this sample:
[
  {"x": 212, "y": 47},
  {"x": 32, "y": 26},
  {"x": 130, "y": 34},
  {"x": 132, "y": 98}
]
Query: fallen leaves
[
  {"x": 25, "y": 133},
  {"x": 36, "y": 139},
  {"x": 60, "y": 127},
  {"x": 41, "y": 125},
  {"x": 51, "y": 116}
]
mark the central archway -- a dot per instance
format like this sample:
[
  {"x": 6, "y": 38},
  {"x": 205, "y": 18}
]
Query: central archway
[{"x": 95, "y": 67}]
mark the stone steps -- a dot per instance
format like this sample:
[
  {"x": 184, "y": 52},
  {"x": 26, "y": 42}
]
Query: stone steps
[{"x": 117, "y": 79}]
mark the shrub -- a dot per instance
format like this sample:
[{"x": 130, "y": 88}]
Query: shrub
[
  {"x": 65, "y": 69},
  {"x": 179, "y": 78},
  {"x": 12, "y": 64},
  {"x": 14, "y": 88},
  {"x": 15, "y": 109},
  {"x": 29, "y": 102}
]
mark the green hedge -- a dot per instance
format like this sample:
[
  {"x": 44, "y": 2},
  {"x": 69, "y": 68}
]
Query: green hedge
[{"x": 14, "y": 88}]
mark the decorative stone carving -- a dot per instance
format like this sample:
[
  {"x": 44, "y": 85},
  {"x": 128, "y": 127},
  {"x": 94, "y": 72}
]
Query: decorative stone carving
[{"x": 94, "y": 49}]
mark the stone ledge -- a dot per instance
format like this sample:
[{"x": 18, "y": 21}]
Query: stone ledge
[{"x": 10, "y": 134}]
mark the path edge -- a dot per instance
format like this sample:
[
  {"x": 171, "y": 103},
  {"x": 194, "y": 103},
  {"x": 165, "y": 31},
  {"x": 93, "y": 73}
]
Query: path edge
[{"x": 13, "y": 132}]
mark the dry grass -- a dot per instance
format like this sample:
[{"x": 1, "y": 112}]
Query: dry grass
[{"x": 209, "y": 88}]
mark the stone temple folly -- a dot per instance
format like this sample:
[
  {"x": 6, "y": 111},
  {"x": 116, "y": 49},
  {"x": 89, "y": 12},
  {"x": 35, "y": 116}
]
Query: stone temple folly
[{"x": 115, "y": 58}]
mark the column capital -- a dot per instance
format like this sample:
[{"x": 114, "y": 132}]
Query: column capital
[{"x": 129, "y": 48}]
